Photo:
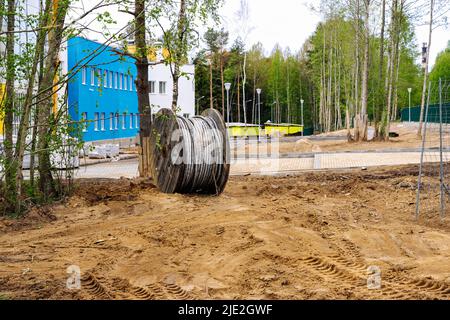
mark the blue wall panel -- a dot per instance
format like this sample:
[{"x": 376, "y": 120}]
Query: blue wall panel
[{"x": 92, "y": 99}]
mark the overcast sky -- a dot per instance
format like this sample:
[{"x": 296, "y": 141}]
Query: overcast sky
[{"x": 286, "y": 22}]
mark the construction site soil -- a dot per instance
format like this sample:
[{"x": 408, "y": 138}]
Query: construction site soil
[{"x": 309, "y": 236}]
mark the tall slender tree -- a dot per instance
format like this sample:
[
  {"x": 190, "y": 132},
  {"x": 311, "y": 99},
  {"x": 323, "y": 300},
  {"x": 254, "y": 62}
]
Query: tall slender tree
[
  {"x": 10, "y": 166},
  {"x": 365, "y": 74},
  {"x": 426, "y": 69},
  {"x": 51, "y": 68}
]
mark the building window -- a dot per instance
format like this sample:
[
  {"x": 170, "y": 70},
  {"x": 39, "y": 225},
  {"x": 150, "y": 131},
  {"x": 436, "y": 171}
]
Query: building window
[
  {"x": 105, "y": 79},
  {"x": 125, "y": 82},
  {"x": 120, "y": 81},
  {"x": 131, "y": 121},
  {"x": 92, "y": 77},
  {"x": 84, "y": 121},
  {"x": 152, "y": 85},
  {"x": 111, "y": 79},
  {"x": 162, "y": 87},
  {"x": 99, "y": 77},
  {"x": 96, "y": 120},
  {"x": 136, "y": 122},
  {"x": 131, "y": 83},
  {"x": 83, "y": 75},
  {"x": 102, "y": 121},
  {"x": 186, "y": 115},
  {"x": 116, "y": 122},
  {"x": 124, "y": 121},
  {"x": 111, "y": 121},
  {"x": 116, "y": 75}
]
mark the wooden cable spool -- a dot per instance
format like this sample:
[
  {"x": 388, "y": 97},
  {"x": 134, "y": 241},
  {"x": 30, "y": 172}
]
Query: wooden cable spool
[{"x": 190, "y": 155}]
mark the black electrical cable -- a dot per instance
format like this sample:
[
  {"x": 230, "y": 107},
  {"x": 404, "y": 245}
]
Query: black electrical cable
[{"x": 202, "y": 154}]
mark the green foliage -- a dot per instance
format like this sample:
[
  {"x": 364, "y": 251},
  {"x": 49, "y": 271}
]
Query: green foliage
[{"x": 441, "y": 68}]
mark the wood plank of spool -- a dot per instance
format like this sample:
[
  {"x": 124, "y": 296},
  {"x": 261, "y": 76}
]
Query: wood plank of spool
[{"x": 165, "y": 174}]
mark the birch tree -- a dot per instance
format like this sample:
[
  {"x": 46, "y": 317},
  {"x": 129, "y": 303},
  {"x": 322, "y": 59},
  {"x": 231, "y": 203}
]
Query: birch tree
[
  {"x": 365, "y": 75},
  {"x": 426, "y": 70}
]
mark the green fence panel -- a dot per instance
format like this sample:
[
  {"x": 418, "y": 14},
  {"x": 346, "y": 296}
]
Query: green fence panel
[{"x": 433, "y": 114}]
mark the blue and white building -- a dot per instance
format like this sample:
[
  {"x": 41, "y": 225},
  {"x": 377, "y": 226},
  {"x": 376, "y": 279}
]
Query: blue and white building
[{"x": 103, "y": 93}]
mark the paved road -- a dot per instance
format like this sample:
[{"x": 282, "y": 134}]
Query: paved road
[{"x": 267, "y": 166}]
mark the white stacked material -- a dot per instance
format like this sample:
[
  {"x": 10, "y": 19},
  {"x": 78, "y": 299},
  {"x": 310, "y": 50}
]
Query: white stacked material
[
  {"x": 66, "y": 157},
  {"x": 98, "y": 152},
  {"x": 112, "y": 150},
  {"x": 104, "y": 151},
  {"x": 84, "y": 152}
]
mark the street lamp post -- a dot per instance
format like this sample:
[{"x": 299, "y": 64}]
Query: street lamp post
[
  {"x": 259, "y": 113},
  {"x": 303, "y": 123},
  {"x": 228, "y": 87},
  {"x": 198, "y": 104},
  {"x": 409, "y": 92},
  {"x": 259, "y": 105}
]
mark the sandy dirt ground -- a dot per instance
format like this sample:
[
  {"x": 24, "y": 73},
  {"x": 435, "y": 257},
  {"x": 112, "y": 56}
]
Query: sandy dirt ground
[
  {"x": 407, "y": 140},
  {"x": 311, "y": 236}
]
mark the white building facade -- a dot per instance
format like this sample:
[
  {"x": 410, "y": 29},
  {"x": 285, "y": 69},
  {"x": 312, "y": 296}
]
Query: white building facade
[{"x": 161, "y": 88}]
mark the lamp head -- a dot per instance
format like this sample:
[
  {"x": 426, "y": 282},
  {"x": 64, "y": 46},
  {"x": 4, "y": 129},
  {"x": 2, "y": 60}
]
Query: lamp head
[
  {"x": 258, "y": 91},
  {"x": 227, "y": 86},
  {"x": 409, "y": 90}
]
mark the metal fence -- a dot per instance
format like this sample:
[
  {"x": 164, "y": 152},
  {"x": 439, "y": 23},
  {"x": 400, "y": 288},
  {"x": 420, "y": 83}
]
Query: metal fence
[
  {"x": 433, "y": 191},
  {"x": 433, "y": 111}
]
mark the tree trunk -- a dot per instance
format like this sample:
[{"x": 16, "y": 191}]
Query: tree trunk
[
  {"x": 55, "y": 35},
  {"x": 394, "y": 113},
  {"x": 254, "y": 98},
  {"x": 11, "y": 199},
  {"x": 425, "y": 77},
  {"x": 222, "y": 83},
  {"x": 25, "y": 117},
  {"x": 35, "y": 128},
  {"x": 211, "y": 98},
  {"x": 365, "y": 76},
  {"x": 389, "y": 90},
  {"x": 393, "y": 60},
  {"x": 323, "y": 97},
  {"x": 2, "y": 9},
  {"x": 288, "y": 92},
  {"x": 175, "y": 89},
  {"x": 239, "y": 94},
  {"x": 380, "y": 72},
  {"x": 329, "y": 89},
  {"x": 142, "y": 87},
  {"x": 356, "y": 83},
  {"x": 179, "y": 54},
  {"x": 244, "y": 82}
]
